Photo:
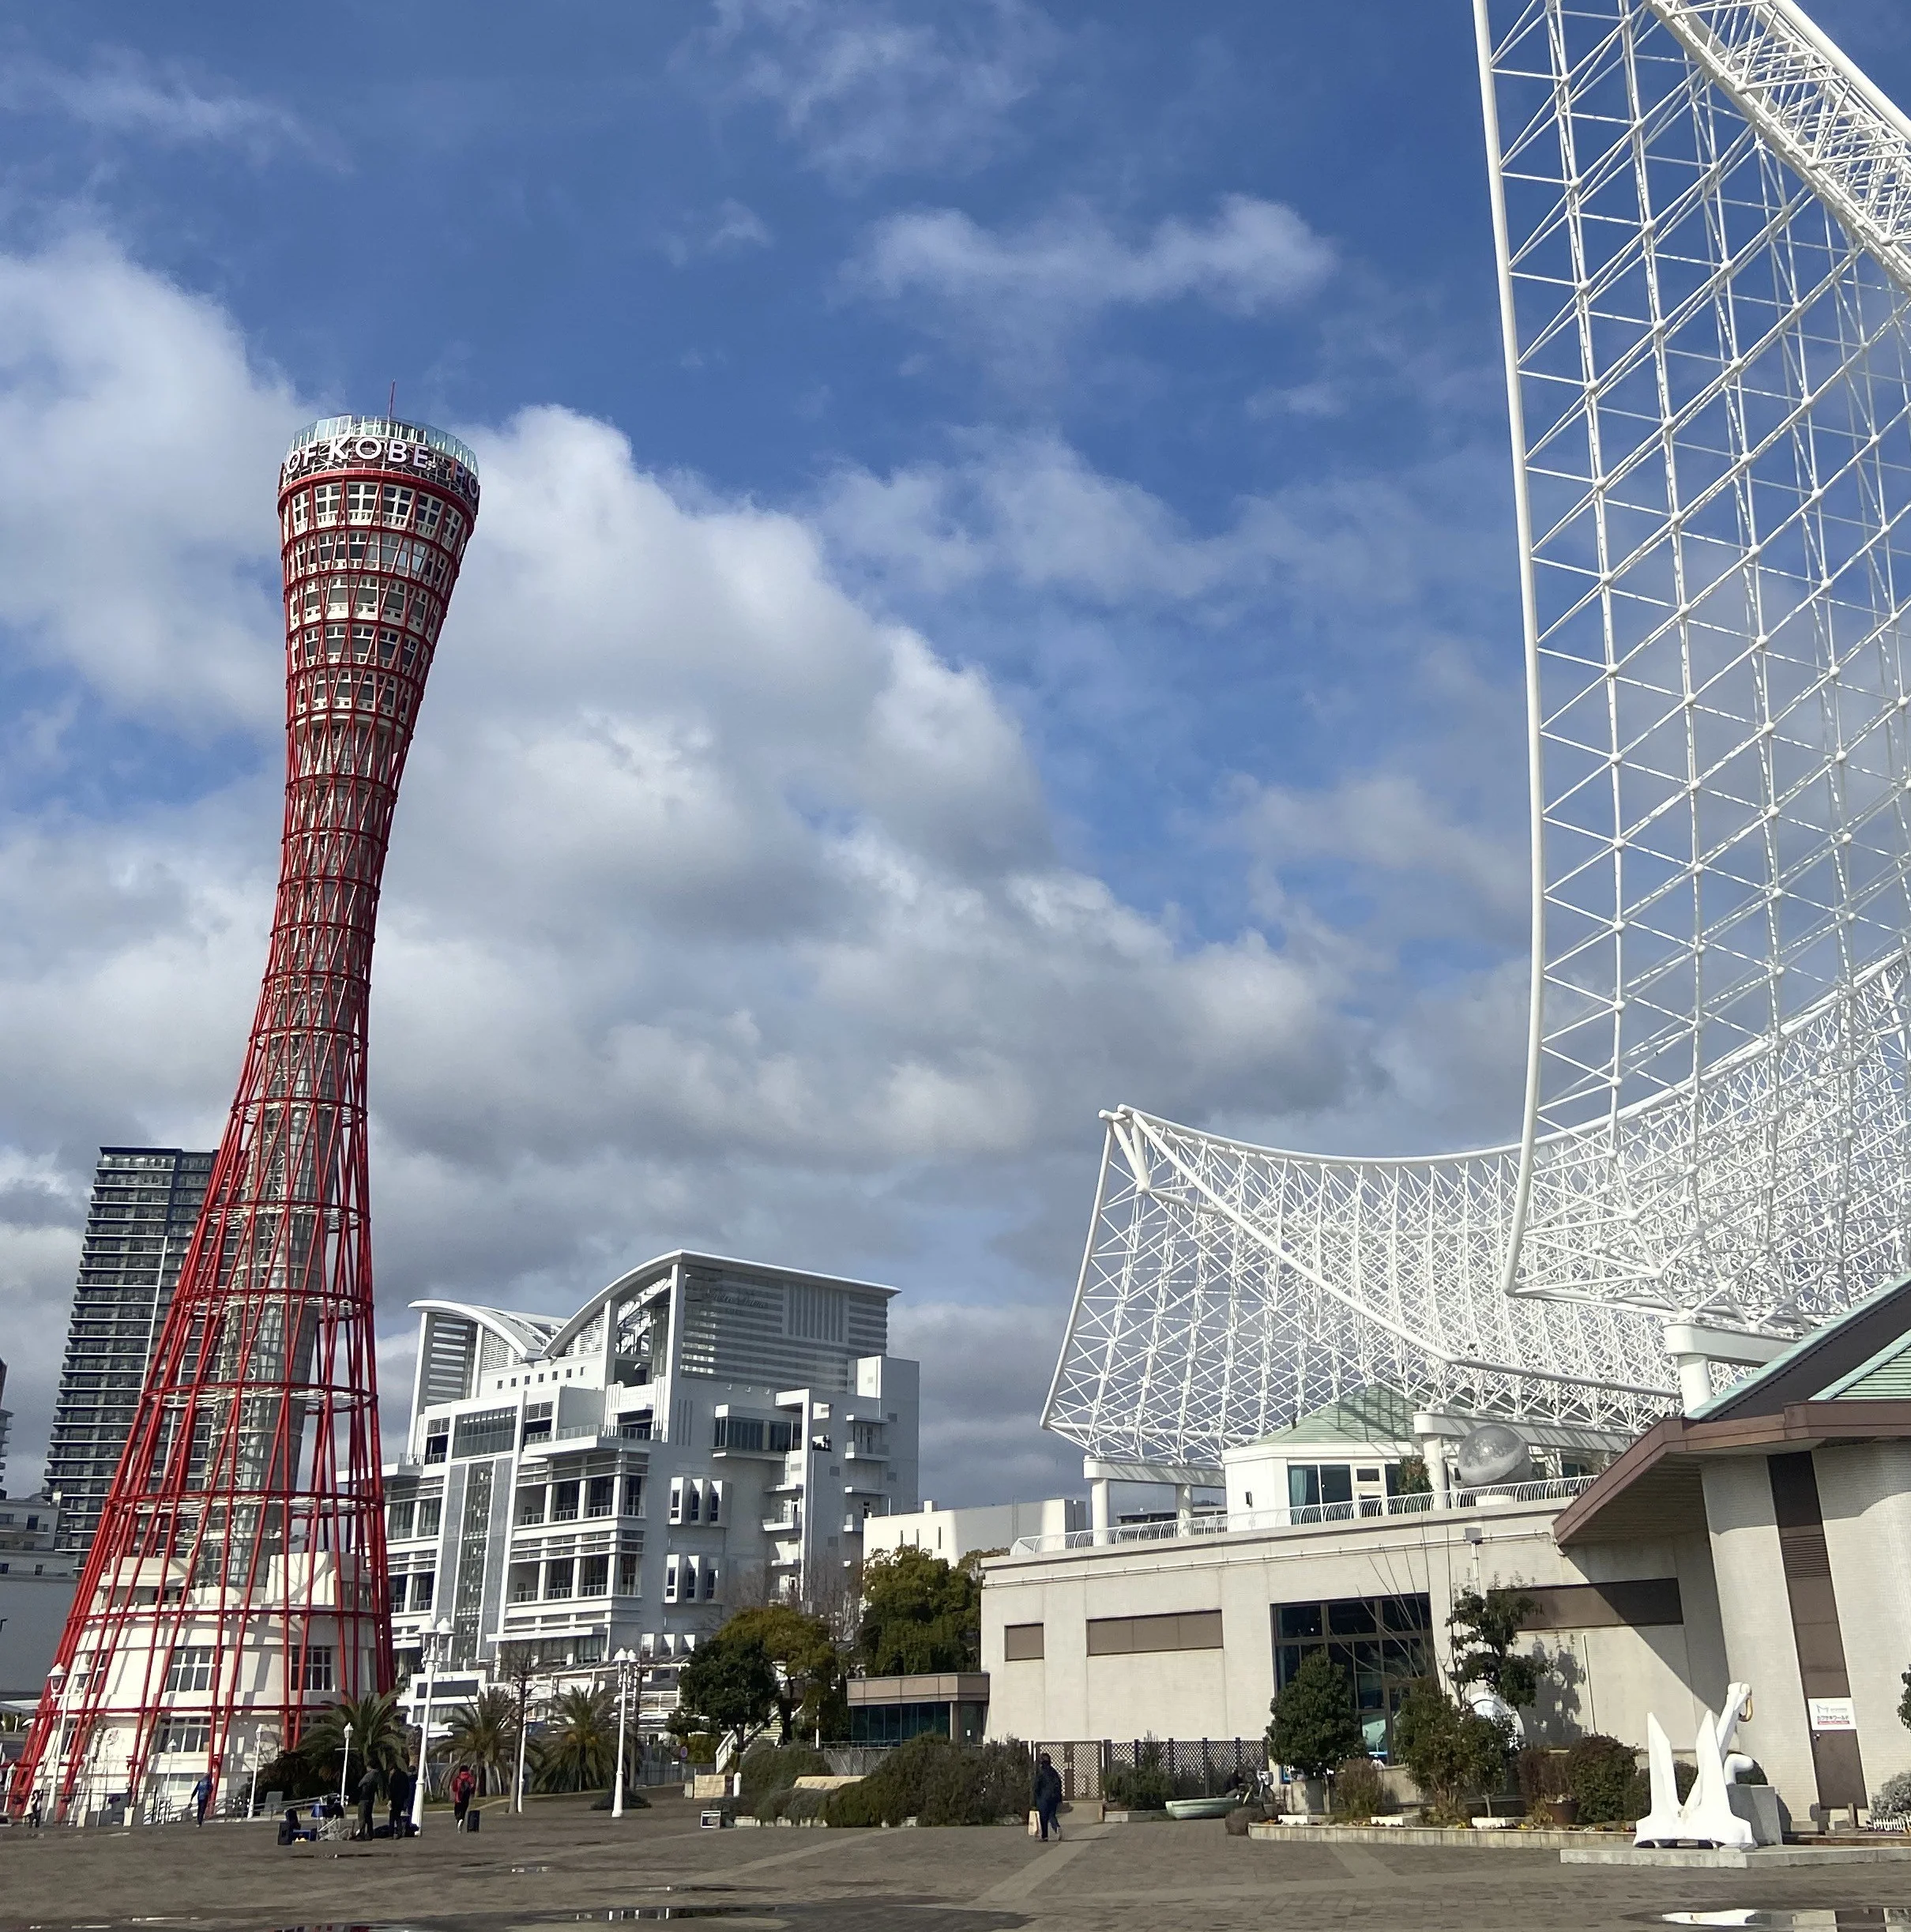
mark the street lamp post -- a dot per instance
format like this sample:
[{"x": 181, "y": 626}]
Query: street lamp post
[
  {"x": 523, "y": 1727},
  {"x": 345, "y": 1769},
  {"x": 433, "y": 1639},
  {"x": 626, "y": 1661}
]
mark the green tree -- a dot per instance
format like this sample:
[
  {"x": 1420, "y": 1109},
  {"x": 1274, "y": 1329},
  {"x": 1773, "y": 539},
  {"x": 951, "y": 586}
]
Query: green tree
[
  {"x": 919, "y": 1613},
  {"x": 577, "y": 1750},
  {"x": 484, "y": 1733},
  {"x": 380, "y": 1737},
  {"x": 1484, "y": 1629},
  {"x": 729, "y": 1682},
  {"x": 809, "y": 1667},
  {"x": 1452, "y": 1753},
  {"x": 1315, "y": 1724}
]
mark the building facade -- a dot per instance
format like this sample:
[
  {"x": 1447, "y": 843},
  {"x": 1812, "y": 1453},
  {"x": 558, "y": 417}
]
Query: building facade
[
  {"x": 1763, "y": 1536},
  {"x": 36, "y": 1580},
  {"x": 953, "y": 1533},
  {"x": 702, "y": 1435},
  {"x": 146, "y": 1204}
]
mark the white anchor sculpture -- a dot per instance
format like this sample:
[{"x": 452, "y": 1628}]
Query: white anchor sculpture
[{"x": 1707, "y": 1817}]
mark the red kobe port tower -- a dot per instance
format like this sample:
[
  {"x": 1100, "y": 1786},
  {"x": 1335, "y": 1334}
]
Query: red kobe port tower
[{"x": 236, "y": 1587}]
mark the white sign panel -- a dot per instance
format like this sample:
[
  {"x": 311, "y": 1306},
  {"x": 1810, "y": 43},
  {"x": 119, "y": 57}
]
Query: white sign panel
[{"x": 1833, "y": 1714}]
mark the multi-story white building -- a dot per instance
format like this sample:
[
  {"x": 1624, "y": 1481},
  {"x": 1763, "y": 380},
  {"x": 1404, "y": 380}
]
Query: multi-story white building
[{"x": 701, "y": 1434}]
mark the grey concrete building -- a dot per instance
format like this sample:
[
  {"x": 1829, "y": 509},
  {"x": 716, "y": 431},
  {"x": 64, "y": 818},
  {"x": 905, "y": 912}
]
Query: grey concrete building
[{"x": 146, "y": 1204}]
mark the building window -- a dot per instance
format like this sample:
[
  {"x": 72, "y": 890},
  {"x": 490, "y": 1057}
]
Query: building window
[
  {"x": 523, "y": 1583},
  {"x": 537, "y": 1421},
  {"x": 1312, "y": 1484},
  {"x": 628, "y": 1564},
  {"x": 1022, "y": 1642},
  {"x": 564, "y": 1502},
  {"x": 1188, "y": 1629},
  {"x": 740, "y": 1432},
  {"x": 398, "y": 1518},
  {"x": 189, "y": 1670},
  {"x": 531, "y": 1506},
  {"x": 181, "y": 1734},
  {"x": 713, "y": 1501},
  {"x": 594, "y": 1576},
  {"x": 488, "y": 1433},
  {"x": 423, "y": 1583},
  {"x": 436, "y": 1443},
  {"x": 1383, "y": 1644},
  {"x": 558, "y": 1577},
  {"x": 708, "y": 1576},
  {"x": 601, "y": 1499},
  {"x": 312, "y": 1667},
  {"x": 325, "y": 504}
]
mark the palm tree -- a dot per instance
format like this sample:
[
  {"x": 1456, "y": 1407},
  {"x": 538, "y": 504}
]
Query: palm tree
[
  {"x": 380, "y": 1737},
  {"x": 578, "y": 1747},
  {"x": 483, "y": 1734}
]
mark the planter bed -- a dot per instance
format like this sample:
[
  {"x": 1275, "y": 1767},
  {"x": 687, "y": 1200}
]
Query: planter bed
[{"x": 1516, "y": 1839}]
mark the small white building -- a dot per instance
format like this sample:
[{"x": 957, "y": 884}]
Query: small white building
[
  {"x": 701, "y": 1434},
  {"x": 953, "y": 1533}
]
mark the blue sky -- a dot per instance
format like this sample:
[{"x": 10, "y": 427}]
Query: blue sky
[{"x": 995, "y": 598}]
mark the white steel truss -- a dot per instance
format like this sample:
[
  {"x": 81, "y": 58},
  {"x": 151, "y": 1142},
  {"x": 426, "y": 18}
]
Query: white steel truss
[{"x": 1703, "y": 215}]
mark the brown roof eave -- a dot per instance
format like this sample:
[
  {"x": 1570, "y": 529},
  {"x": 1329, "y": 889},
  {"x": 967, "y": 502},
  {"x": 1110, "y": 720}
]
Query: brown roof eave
[{"x": 1798, "y": 1425}]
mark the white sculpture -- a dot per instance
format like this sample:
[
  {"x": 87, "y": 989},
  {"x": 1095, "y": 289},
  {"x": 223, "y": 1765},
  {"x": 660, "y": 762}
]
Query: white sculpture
[{"x": 1707, "y": 1817}]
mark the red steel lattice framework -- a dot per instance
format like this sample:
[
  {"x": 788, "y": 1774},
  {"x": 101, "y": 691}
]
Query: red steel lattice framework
[{"x": 235, "y": 1586}]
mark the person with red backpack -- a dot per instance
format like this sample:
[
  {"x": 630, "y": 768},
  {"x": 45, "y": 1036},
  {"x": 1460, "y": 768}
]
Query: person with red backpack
[{"x": 464, "y": 1788}]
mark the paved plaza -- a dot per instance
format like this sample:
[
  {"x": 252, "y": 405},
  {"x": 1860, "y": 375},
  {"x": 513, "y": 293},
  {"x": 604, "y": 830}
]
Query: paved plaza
[{"x": 563, "y": 1862}]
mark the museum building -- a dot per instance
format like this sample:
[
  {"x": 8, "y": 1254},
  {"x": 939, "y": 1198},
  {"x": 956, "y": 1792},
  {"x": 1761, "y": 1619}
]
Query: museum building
[{"x": 1764, "y": 1537}]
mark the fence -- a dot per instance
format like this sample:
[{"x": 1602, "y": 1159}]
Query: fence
[
  {"x": 1195, "y": 1767},
  {"x": 1303, "y": 1516}
]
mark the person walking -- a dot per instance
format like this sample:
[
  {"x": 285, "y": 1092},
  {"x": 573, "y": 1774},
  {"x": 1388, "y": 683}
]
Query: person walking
[
  {"x": 202, "y": 1796},
  {"x": 367, "y": 1792},
  {"x": 398, "y": 1793},
  {"x": 463, "y": 1786},
  {"x": 1048, "y": 1796},
  {"x": 33, "y": 1811}
]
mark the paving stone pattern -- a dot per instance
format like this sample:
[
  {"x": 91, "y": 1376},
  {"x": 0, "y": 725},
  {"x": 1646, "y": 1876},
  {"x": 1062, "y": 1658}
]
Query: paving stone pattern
[{"x": 563, "y": 1862}]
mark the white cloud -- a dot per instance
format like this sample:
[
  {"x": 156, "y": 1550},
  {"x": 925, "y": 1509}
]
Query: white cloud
[
  {"x": 719, "y": 911},
  {"x": 730, "y": 227},
  {"x": 123, "y": 93},
  {"x": 1017, "y": 293},
  {"x": 863, "y": 91}
]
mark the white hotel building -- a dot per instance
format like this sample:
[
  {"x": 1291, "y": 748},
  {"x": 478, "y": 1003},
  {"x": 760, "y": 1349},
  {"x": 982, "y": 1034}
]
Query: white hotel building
[{"x": 703, "y": 1433}]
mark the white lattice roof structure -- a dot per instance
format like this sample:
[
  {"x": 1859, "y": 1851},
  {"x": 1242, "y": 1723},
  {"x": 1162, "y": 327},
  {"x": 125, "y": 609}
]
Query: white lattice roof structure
[{"x": 1702, "y": 216}]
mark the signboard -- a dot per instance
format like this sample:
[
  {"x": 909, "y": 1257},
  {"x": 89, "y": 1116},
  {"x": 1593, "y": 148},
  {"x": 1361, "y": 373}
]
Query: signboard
[
  {"x": 1832, "y": 1714},
  {"x": 379, "y": 452}
]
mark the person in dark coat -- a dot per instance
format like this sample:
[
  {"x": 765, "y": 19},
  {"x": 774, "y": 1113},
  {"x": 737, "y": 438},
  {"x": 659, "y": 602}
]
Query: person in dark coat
[
  {"x": 398, "y": 1790},
  {"x": 367, "y": 1792},
  {"x": 464, "y": 1788},
  {"x": 202, "y": 1796},
  {"x": 1048, "y": 1796}
]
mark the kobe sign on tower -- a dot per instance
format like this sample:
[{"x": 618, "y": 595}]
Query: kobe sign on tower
[{"x": 236, "y": 1587}]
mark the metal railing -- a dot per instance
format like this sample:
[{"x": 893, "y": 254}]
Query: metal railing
[{"x": 1306, "y": 1515}]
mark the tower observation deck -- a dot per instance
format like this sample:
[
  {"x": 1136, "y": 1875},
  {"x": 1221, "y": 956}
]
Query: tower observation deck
[
  {"x": 1702, "y": 213},
  {"x": 235, "y": 1585}
]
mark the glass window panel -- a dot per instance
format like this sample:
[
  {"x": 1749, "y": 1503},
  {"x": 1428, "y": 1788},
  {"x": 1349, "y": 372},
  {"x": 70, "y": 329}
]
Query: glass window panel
[
  {"x": 1352, "y": 1617},
  {"x": 1303, "y": 1485},
  {"x": 1299, "y": 1620},
  {"x": 1336, "y": 1482}
]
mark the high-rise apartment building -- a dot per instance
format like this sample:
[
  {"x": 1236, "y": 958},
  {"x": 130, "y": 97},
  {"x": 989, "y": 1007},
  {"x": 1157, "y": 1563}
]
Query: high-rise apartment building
[{"x": 146, "y": 1204}]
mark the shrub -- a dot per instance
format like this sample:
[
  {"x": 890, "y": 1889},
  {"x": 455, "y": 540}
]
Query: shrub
[
  {"x": 1315, "y": 1724},
  {"x": 1543, "y": 1776},
  {"x": 768, "y": 1769},
  {"x": 1600, "y": 1773},
  {"x": 1892, "y": 1799},
  {"x": 1137, "y": 1788},
  {"x": 938, "y": 1783},
  {"x": 1453, "y": 1754},
  {"x": 1360, "y": 1790}
]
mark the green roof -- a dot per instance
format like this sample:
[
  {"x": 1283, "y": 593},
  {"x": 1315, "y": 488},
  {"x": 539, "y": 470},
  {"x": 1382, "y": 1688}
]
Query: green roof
[{"x": 1367, "y": 1416}]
